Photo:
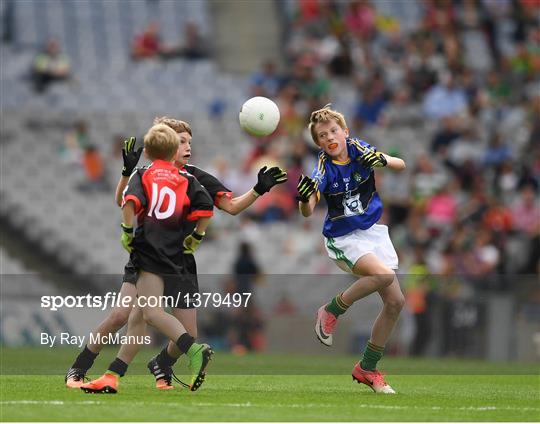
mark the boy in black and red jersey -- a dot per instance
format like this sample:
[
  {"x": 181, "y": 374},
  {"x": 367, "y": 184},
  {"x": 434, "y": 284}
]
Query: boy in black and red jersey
[
  {"x": 163, "y": 198},
  {"x": 161, "y": 365}
]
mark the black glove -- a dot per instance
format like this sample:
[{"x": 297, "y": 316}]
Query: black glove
[
  {"x": 130, "y": 156},
  {"x": 372, "y": 159},
  {"x": 268, "y": 178},
  {"x": 306, "y": 187}
]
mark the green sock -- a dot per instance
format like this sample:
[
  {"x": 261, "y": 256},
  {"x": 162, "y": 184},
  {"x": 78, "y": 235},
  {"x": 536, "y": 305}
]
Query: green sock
[
  {"x": 337, "y": 306},
  {"x": 372, "y": 355}
]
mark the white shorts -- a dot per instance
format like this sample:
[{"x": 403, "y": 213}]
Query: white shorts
[{"x": 347, "y": 249}]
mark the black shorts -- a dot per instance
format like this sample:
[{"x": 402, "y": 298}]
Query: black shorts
[{"x": 174, "y": 286}]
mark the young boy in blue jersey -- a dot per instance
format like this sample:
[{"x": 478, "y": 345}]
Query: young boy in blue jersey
[{"x": 345, "y": 177}]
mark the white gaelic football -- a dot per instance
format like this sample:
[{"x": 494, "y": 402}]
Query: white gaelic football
[{"x": 259, "y": 116}]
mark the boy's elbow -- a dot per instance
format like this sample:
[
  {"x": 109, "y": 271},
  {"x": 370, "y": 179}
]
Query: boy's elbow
[{"x": 229, "y": 208}]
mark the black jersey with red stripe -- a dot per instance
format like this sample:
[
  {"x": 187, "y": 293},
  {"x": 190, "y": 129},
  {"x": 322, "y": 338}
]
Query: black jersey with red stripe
[
  {"x": 165, "y": 199},
  {"x": 212, "y": 185}
]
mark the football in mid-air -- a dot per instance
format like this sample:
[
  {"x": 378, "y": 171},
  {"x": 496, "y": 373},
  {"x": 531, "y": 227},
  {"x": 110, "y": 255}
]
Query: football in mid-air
[{"x": 259, "y": 116}]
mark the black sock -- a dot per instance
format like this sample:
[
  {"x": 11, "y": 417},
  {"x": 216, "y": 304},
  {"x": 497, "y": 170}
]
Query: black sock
[
  {"x": 85, "y": 360},
  {"x": 164, "y": 359},
  {"x": 118, "y": 367},
  {"x": 184, "y": 342}
]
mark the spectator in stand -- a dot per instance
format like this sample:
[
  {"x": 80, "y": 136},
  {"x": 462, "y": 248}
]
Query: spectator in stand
[
  {"x": 506, "y": 181},
  {"x": 442, "y": 209},
  {"x": 445, "y": 136},
  {"x": 427, "y": 178},
  {"x": 94, "y": 168},
  {"x": 267, "y": 81},
  {"x": 194, "y": 46},
  {"x": 148, "y": 44},
  {"x": 533, "y": 122},
  {"x": 292, "y": 118},
  {"x": 483, "y": 260},
  {"x": 497, "y": 151},
  {"x": 439, "y": 15},
  {"x": 498, "y": 216},
  {"x": 341, "y": 64},
  {"x": 498, "y": 86},
  {"x": 445, "y": 99},
  {"x": 75, "y": 141},
  {"x": 526, "y": 211},
  {"x": 467, "y": 147},
  {"x": 309, "y": 80},
  {"x": 401, "y": 111},
  {"x": 360, "y": 19},
  {"x": 49, "y": 66},
  {"x": 370, "y": 107}
]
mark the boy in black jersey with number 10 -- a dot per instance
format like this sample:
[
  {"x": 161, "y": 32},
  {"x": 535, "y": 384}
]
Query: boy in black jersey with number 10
[
  {"x": 163, "y": 198},
  {"x": 161, "y": 365}
]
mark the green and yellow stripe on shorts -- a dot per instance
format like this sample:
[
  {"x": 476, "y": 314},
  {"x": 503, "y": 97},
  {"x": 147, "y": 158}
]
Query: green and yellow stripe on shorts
[{"x": 340, "y": 255}]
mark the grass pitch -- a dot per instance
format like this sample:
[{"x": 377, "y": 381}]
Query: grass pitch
[{"x": 265, "y": 388}]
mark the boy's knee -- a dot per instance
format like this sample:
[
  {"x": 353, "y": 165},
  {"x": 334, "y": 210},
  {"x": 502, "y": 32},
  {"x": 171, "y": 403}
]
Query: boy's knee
[
  {"x": 119, "y": 317},
  {"x": 384, "y": 276},
  {"x": 149, "y": 315},
  {"x": 395, "y": 304}
]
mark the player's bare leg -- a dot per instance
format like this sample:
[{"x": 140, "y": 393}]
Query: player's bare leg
[
  {"x": 393, "y": 302},
  {"x": 366, "y": 371},
  {"x": 199, "y": 355},
  {"x": 136, "y": 328},
  {"x": 116, "y": 319},
  {"x": 149, "y": 287},
  {"x": 382, "y": 279},
  {"x": 377, "y": 277}
]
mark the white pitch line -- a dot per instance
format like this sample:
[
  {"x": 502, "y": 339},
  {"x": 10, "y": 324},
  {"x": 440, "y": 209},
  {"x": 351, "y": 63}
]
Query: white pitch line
[
  {"x": 280, "y": 405},
  {"x": 49, "y": 402}
]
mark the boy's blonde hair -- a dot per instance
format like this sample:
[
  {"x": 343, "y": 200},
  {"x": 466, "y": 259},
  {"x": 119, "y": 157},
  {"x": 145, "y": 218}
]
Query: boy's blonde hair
[
  {"x": 175, "y": 124},
  {"x": 161, "y": 142},
  {"x": 324, "y": 115}
]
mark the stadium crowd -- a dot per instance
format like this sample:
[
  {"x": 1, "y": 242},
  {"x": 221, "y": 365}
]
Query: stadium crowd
[
  {"x": 465, "y": 71},
  {"x": 462, "y": 77}
]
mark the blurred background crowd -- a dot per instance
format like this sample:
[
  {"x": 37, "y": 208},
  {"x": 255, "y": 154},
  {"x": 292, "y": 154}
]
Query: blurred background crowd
[{"x": 451, "y": 86}]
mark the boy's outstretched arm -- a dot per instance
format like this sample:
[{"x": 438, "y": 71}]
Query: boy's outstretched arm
[
  {"x": 373, "y": 159},
  {"x": 266, "y": 179},
  {"x": 394, "y": 163},
  {"x": 307, "y": 195}
]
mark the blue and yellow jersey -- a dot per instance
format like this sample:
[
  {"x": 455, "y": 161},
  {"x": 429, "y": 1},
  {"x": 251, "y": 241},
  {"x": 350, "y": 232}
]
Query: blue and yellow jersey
[{"x": 349, "y": 190}]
